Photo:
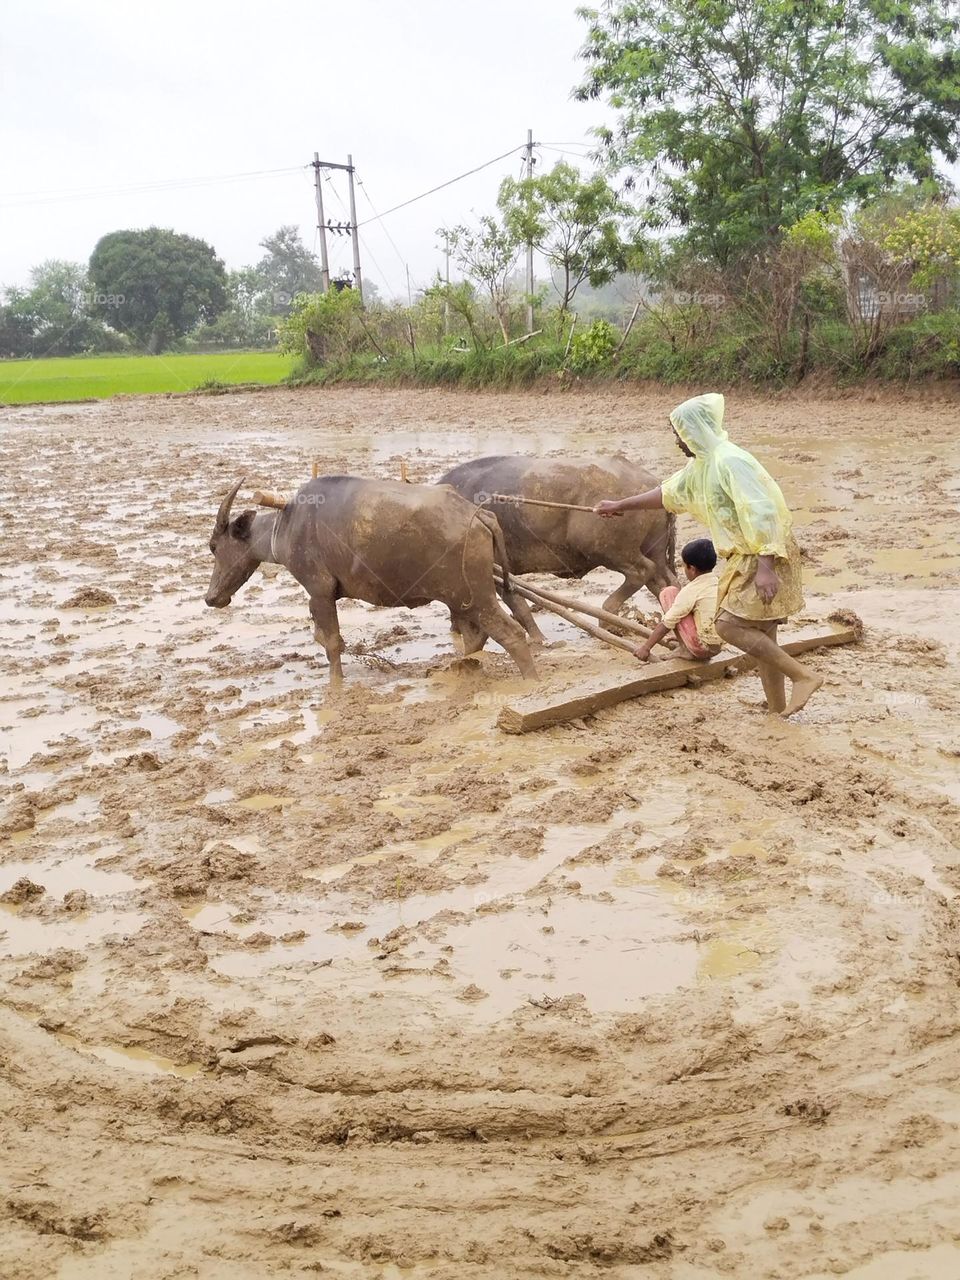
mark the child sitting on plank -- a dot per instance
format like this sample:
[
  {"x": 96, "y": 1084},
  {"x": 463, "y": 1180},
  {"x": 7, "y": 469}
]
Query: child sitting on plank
[{"x": 689, "y": 611}]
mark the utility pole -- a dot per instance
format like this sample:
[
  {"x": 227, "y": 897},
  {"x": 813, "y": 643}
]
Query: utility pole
[
  {"x": 446, "y": 276},
  {"x": 321, "y": 226},
  {"x": 357, "y": 282},
  {"x": 409, "y": 290},
  {"x": 337, "y": 227},
  {"x": 529, "y": 153}
]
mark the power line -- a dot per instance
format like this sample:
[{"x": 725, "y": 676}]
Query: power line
[
  {"x": 449, "y": 183},
  {"x": 23, "y": 198},
  {"x": 401, "y": 259}
]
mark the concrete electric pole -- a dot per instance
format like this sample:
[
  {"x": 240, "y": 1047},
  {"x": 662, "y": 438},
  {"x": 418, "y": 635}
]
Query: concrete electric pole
[
  {"x": 321, "y": 226},
  {"x": 529, "y": 155},
  {"x": 337, "y": 227}
]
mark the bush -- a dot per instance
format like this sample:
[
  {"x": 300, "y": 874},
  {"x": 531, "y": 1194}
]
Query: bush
[
  {"x": 322, "y": 327},
  {"x": 593, "y": 349},
  {"x": 928, "y": 347}
]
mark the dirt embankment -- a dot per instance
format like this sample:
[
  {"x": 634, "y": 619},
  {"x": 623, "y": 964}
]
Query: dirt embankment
[{"x": 365, "y": 988}]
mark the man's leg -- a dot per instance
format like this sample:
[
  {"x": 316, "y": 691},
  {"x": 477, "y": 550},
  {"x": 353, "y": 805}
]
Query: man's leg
[
  {"x": 774, "y": 684},
  {"x": 755, "y": 639}
]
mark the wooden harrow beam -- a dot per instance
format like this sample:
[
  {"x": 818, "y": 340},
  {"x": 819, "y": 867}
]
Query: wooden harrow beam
[{"x": 541, "y": 709}]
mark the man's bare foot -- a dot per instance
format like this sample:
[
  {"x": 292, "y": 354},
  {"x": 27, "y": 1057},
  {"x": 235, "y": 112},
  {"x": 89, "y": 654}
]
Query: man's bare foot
[{"x": 801, "y": 693}]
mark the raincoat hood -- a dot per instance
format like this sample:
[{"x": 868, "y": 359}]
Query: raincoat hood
[
  {"x": 699, "y": 423},
  {"x": 724, "y": 487}
]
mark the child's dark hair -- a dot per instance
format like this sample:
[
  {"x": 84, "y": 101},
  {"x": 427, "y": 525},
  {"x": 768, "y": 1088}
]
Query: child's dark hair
[{"x": 700, "y": 554}]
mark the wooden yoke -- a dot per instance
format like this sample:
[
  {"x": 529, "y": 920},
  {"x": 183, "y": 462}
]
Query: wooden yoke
[{"x": 262, "y": 499}]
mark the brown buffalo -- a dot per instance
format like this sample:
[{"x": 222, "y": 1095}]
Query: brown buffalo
[
  {"x": 569, "y": 544},
  {"x": 376, "y": 540}
]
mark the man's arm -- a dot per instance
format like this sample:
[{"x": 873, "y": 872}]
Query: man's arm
[
  {"x": 767, "y": 580},
  {"x": 652, "y": 500}
]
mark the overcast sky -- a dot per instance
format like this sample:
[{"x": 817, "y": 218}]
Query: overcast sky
[{"x": 112, "y": 94}]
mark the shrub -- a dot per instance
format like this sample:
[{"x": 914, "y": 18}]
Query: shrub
[{"x": 592, "y": 350}]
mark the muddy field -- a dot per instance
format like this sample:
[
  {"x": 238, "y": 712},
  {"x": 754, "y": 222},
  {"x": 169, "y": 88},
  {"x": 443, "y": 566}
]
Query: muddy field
[{"x": 364, "y": 987}]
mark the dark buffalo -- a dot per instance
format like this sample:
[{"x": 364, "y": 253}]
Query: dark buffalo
[
  {"x": 381, "y": 541},
  {"x": 569, "y": 544}
]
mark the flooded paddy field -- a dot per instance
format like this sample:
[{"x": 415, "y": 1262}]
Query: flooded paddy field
[{"x": 361, "y": 986}]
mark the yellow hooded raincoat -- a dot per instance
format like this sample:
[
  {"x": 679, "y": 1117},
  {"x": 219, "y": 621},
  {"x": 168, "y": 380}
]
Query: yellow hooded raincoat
[{"x": 727, "y": 489}]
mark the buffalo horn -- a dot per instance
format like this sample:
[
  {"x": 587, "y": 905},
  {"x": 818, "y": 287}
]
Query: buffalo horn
[{"x": 223, "y": 515}]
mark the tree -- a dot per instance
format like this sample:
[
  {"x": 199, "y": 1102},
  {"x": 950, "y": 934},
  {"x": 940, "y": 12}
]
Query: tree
[
  {"x": 245, "y": 322},
  {"x": 286, "y": 269},
  {"x": 486, "y": 254},
  {"x": 745, "y": 115},
  {"x": 573, "y": 221},
  {"x": 156, "y": 284},
  {"x": 53, "y": 317}
]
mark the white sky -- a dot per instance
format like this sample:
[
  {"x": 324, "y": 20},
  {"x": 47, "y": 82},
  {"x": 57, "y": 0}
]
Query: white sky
[{"x": 114, "y": 93}]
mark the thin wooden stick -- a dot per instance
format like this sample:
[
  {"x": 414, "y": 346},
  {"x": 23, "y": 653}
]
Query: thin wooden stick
[
  {"x": 537, "y": 502},
  {"x": 526, "y": 338},
  {"x": 314, "y": 469},
  {"x": 570, "y": 337},
  {"x": 602, "y": 615},
  {"x": 626, "y": 332},
  {"x": 549, "y": 601},
  {"x": 569, "y": 616}
]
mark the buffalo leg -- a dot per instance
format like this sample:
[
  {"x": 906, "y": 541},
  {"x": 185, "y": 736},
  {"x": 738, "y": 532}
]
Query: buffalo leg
[
  {"x": 524, "y": 615},
  {"x": 508, "y": 633},
  {"x": 326, "y": 631},
  {"x": 627, "y": 587},
  {"x": 472, "y": 637},
  {"x": 643, "y": 574}
]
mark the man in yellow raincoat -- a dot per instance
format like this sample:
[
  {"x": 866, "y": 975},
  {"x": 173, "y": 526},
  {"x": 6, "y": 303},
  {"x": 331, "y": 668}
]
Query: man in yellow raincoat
[{"x": 727, "y": 489}]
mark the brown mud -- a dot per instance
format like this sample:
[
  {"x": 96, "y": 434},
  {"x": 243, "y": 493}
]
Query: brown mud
[{"x": 360, "y": 986}]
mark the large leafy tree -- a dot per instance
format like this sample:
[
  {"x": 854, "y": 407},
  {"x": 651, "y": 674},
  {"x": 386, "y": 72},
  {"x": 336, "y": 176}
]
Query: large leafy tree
[
  {"x": 155, "y": 284},
  {"x": 573, "y": 221},
  {"x": 745, "y": 115}
]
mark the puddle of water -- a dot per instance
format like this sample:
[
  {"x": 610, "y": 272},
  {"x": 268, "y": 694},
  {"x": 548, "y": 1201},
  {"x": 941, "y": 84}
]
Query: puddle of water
[
  {"x": 616, "y": 954},
  {"x": 27, "y": 935},
  {"x": 24, "y": 736},
  {"x": 60, "y": 877},
  {"x": 940, "y": 1262},
  {"x": 424, "y": 851},
  {"x": 138, "y": 1060},
  {"x": 510, "y": 878},
  {"x": 736, "y": 952},
  {"x": 265, "y": 800},
  {"x": 219, "y": 796}
]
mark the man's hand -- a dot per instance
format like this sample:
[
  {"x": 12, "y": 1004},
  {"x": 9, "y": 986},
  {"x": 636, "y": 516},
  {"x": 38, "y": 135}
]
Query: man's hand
[
  {"x": 766, "y": 580},
  {"x": 608, "y": 507},
  {"x": 642, "y": 652}
]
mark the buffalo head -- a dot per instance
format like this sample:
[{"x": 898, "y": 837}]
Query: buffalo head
[{"x": 234, "y": 558}]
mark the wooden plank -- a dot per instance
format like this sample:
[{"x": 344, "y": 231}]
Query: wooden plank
[{"x": 538, "y": 710}]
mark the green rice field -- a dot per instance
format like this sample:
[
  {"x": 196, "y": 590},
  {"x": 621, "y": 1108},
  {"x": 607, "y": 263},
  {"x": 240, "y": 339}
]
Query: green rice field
[{"x": 97, "y": 377}]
